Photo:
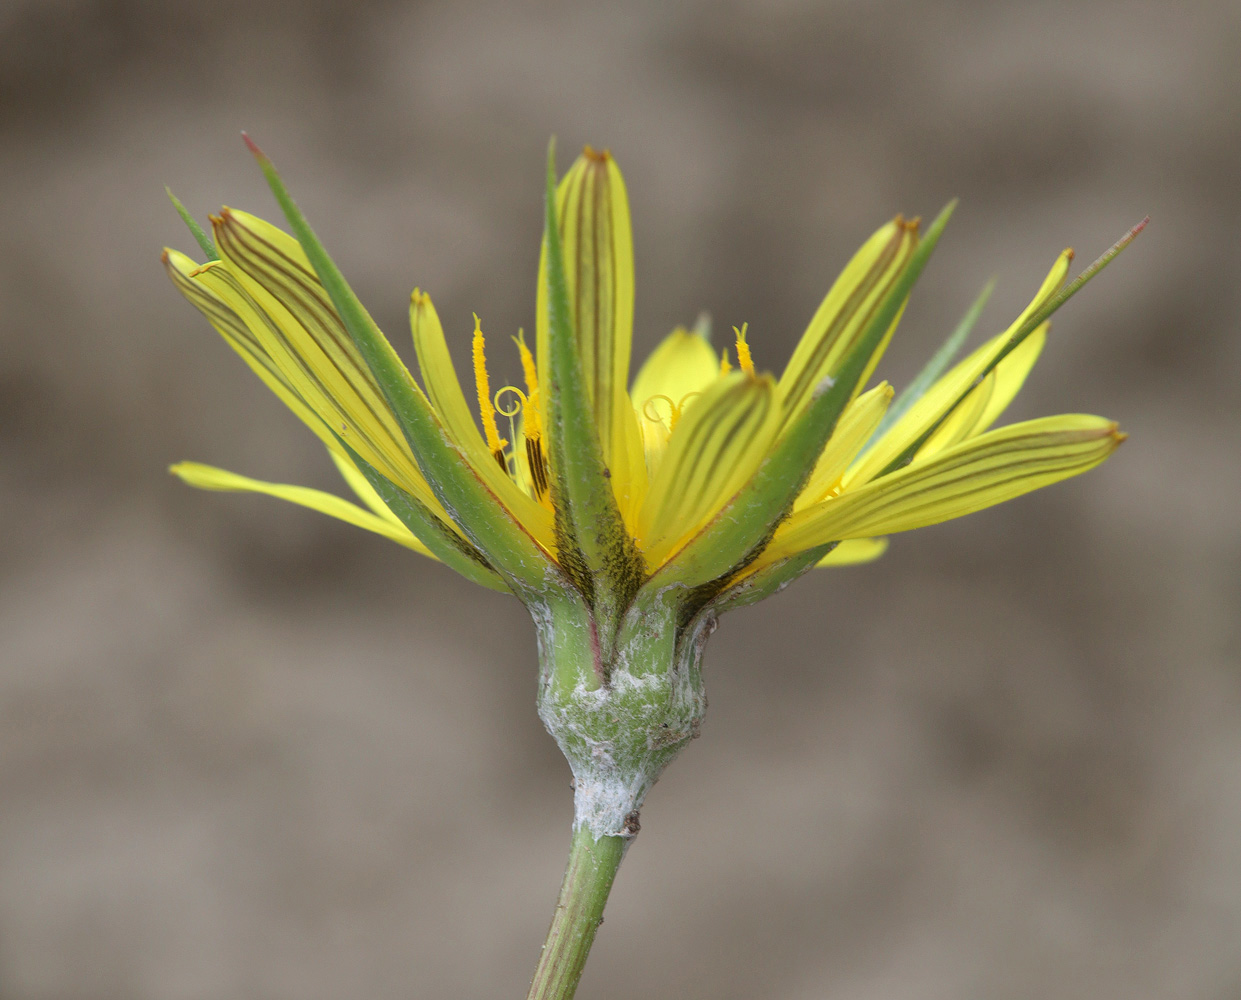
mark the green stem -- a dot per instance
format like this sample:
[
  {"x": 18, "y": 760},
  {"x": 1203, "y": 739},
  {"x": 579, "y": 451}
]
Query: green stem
[{"x": 579, "y": 912}]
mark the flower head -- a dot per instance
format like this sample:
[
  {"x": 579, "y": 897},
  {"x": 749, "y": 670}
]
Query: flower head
[
  {"x": 701, "y": 471},
  {"x": 628, "y": 513}
]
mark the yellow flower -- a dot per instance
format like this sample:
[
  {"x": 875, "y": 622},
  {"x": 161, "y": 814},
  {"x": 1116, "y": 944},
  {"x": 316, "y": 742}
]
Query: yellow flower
[
  {"x": 628, "y": 515},
  {"x": 700, "y": 472}
]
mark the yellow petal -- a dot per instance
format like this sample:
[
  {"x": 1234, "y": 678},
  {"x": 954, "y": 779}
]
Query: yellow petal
[
  {"x": 364, "y": 490},
  {"x": 207, "y": 477},
  {"x": 713, "y": 451},
  {"x": 844, "y": 313},
  {"x": 978, "y": 473},
  {"x": 960, "y": 423},
  {"x": 265, "y": 278},
  {"x": 593, "y": 210},
  {"x": 234, "y": 314},
  {"x": 853, "y": 430},
  {"x": 980, "y": 409},
  {"x": 1010, "y": 376},
  {"x": 950, "y": 388},
  {"x": 854, "y": 552},
  {"x": 630, "y": 472},
  {"x": 680, "y": 367},
  {"x": 241, "y": 339}
]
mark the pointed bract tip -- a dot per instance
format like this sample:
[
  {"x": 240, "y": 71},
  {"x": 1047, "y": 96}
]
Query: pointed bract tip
[
  {"x": 940, "y": 220},
  {"x": 596, "y": 155},
  {"x": 252, "y": 146},
  {"x": 200, "y": 237}
]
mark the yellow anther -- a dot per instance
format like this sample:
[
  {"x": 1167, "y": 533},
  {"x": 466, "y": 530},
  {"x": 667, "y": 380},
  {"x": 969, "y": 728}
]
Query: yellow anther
[
  {"x": 743, "y": 350},
  {"x": 483, "y": 385},
  {"x": 531, "y": 420},
  {"x": 725, "y": 364},
  {"x": 531, "y": 417}
]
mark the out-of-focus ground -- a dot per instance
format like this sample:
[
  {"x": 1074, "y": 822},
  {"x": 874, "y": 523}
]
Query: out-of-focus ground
[{"x": 249, "y": 752}]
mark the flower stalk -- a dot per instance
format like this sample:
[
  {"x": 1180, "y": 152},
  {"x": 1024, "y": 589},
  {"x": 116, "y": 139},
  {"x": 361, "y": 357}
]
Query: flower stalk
[{"x": 579, "y": 911}]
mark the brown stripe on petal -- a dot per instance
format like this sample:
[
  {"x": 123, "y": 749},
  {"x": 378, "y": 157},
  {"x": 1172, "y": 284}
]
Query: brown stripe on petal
[
  {"x": 887, "y": 265},
  {"x": 300, "y": 292},
  {"x": 538, "y": 466}
]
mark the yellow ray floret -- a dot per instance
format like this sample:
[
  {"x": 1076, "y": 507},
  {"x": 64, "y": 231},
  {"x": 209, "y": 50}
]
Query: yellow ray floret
[
  {"x": 844, "y": 313},
  {"x": 714, "y": 449},
  {"x": 854, "y": 552},
  {"x": 968, "y": 477},
  {"x": 852, "y": 432},
  {"x": 207, "y": 477}
]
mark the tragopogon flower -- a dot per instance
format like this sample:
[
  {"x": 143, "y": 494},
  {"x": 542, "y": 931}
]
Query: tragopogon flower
[{"x": 627, "y": 514}]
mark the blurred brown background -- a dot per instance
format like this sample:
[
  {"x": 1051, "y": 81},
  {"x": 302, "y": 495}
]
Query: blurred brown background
[{"x": 249, "y": 752}]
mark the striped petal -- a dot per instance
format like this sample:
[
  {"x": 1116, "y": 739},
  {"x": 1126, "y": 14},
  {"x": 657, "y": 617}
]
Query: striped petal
[
  {"x": 253, "y": 334},
  {"x": 950, "y": 390},
  {"x": 500, "y": 540},
  {"x": 853, "y": 430},
  {"x": 595, "y": 544},
  {"x": 979, "y": 473},
  {"x": 592, "y": 209},
  {"x": 716, "y": 447},
  {"x": 744, "y": 525},
  {"x": 265, "y": 277},
  {"x": 983, "y": 405},
  {"x": 183, "y": 271},
  {"x": 845, "y": 313}
]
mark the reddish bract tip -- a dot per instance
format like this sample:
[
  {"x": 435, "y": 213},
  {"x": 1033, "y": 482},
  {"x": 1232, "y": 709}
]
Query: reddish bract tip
[{"x": 250, "y": 145}]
